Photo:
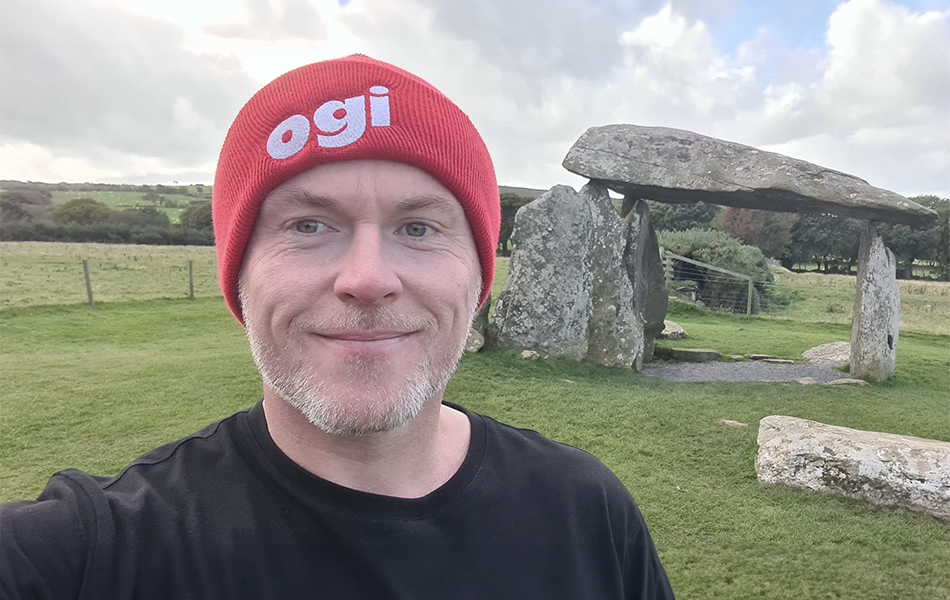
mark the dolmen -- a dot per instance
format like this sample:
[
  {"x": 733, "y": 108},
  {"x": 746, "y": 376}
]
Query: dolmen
[{"x": 587, "y": 284}]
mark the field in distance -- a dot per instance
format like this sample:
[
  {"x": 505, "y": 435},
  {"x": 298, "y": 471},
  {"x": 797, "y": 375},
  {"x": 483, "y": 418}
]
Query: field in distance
[
  {"x": 124, "y": 200},
  {"x": 33, "y": 273}
]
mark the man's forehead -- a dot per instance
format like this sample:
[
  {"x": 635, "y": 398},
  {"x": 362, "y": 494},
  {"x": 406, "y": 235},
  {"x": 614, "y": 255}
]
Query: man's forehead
[{"x": 394, "y": 186}]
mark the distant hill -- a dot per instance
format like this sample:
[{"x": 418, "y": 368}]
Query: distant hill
[{"x": 529, "y": 192}]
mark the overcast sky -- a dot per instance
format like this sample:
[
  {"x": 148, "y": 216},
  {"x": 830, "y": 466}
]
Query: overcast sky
[{"x": 143, "y": 91}]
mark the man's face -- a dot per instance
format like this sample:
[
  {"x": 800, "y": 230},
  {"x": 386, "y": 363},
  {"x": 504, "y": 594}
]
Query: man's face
[{"x": 358, "y": 287}]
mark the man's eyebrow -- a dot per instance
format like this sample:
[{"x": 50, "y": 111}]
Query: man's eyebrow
[
  {"x": 301, "y": 197},
  {"x": 423, "y": 202}
]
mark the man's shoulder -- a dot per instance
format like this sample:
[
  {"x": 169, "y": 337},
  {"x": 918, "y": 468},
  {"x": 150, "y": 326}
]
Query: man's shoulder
[
  {"x": 533, "y": 457},
  {"x": 205, "y": 446}
]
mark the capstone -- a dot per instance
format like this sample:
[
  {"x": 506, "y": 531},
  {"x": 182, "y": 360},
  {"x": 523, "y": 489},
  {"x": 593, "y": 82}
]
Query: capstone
[{"x": 677, "y": 166}]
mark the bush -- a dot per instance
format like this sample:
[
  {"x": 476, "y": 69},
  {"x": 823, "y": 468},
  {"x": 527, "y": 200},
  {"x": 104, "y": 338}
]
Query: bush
[{"x": 726, "y": 252}]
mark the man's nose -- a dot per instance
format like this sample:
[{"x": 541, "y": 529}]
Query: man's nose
[{"x": 366, "y": 274}]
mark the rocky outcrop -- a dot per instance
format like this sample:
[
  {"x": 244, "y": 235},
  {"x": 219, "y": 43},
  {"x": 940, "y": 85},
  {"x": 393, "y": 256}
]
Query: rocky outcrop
[
  {"x": 875, "y": 322},
  {"x": 568, "y": 294},
  {"x": 673, "y": 165},
  {"x": 644, "y": 266},
  {"x": 835, "y": 354},
  {"x": 882, "y": 468}
]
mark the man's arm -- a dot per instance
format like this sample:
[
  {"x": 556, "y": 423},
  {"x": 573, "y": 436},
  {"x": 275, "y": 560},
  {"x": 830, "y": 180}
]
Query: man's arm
[{"x": 45, "y": 545}]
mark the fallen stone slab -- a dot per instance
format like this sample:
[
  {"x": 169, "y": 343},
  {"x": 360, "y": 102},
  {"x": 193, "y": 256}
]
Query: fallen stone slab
[
  {"x": 835, "y": 354},
  {"x": 778, "y": 361},
  {"x": 731, "y": 423},
  {"x": 806, "y": 381},
  {"x": 695, "y": 354},
  {"x": 883, "y": 468},
  {"x": 848, "y": 381},
  {"x": 750, "y": 371},
  {"x": 758, "y": 356},
  {"x": 672, "y": 331},
  {"x": 681, "y": 167}
]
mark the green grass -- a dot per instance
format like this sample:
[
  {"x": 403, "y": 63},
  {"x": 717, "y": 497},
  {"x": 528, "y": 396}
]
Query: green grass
[
  {"x": 93, "y": 387},
  {"x": 34, "y": 273},
  {"x": 123, "y": 200},
  {"x": 925, "y": 305}
]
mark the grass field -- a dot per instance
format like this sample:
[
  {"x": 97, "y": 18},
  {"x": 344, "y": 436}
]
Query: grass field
[
  {"x": 123, "y": 200},
  {"x": 93, "y": 387},
  {"x": 34, "y": 273}
]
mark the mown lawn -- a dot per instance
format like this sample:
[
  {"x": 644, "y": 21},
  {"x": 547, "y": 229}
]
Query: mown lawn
[{"x": 94, "y": 387}]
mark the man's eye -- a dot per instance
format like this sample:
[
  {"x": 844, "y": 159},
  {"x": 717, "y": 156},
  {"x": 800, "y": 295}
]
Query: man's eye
[
  {"x": 309, "y": 226},
  {"x": 417, "y": 229}
]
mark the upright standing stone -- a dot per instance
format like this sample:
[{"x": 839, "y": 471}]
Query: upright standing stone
[
  {"x": 546, "y": 302},
  {"x": 644, "y": 266},
  {"x": 614, "y": 332},
  {"x": 877, "y": 310}
]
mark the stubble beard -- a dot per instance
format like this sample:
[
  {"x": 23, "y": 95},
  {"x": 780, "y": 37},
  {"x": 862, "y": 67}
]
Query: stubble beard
[{"x": 355, "y": 405}]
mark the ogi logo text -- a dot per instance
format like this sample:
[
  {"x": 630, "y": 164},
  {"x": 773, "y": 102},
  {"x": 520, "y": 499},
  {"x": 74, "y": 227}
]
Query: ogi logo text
[{"x": 341, "y": 124}]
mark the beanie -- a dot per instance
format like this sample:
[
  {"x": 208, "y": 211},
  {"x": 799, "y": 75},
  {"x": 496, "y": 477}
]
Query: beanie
[{"x": 347, "y": 109}]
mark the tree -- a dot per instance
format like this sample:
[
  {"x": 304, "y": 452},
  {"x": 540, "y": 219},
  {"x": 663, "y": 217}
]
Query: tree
[
  {"x": 142, "y": 218},
  {"x": 770, "y": 232},
  {"x": 722, "y": 250},
  {"x": 197, "y": 216},
  {"x": 680, "y": 217},
  {"x": 154, "y": 198},
  {"x": 82, "y": 211},
  {"x": 510, "y": 203},
  {"x": 910, "y": 244},
  {"x": 829, "y": 240}
]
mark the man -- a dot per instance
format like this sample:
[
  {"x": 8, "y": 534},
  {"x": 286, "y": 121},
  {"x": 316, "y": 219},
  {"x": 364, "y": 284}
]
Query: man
[{"x": 356, "y": 216}]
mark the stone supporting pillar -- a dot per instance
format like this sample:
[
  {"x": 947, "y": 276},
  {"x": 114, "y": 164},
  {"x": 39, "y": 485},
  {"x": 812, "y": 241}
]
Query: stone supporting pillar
[
  {"x": 645, "y": 268},
  {"x": 877, "y": 310}
]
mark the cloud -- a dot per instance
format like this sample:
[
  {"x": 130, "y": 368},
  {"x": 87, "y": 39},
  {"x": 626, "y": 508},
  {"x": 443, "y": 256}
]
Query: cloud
[
  {"x": 157, "y": 95},
  {"x": 270, "y": 21},
  {"x": 97, "y": 84}
]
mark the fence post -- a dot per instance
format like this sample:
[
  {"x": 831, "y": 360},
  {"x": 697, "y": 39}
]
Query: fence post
[
  {"x": 191, "y": 281},
  {"x": 667, "y": 268},
  {"x": 748, "y": 304},
  {"x": 85, "y": 273}
]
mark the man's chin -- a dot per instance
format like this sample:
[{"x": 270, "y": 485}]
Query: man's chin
[{"x": 358, "y": 407}]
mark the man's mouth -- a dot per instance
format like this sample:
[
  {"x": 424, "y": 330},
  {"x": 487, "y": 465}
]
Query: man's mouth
[{"x": 363, "y": 335}]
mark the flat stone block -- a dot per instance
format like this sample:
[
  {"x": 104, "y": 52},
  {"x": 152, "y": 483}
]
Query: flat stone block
[
  {"x": 883, "y": 468},
  {"x": 695, "y": 354}
]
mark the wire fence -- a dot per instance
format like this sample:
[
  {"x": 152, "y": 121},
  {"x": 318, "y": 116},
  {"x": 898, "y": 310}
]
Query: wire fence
[
  {"x": 720, "y": 289},
  {"x": 33, "y": 273}
]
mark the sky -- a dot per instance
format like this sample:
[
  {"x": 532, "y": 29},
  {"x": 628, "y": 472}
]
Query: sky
[{"x": 143, "y": 91}]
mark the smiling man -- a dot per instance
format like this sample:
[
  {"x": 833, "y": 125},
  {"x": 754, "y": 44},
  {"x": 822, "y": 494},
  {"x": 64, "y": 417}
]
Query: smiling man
[{"x": 356, "y": 216}]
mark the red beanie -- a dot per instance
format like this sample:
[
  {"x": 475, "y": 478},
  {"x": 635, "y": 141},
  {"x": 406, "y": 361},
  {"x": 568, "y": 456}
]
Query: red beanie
[{"x": 294, "y": 123}]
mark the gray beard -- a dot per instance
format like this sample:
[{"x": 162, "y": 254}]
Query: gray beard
[{"x": 285, "y": 372}]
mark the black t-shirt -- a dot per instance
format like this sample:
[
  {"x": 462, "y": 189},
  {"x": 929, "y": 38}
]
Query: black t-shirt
[{"x": 225, "y": 514}]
